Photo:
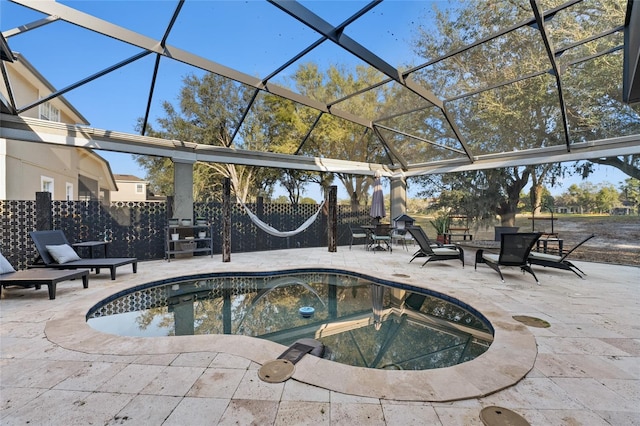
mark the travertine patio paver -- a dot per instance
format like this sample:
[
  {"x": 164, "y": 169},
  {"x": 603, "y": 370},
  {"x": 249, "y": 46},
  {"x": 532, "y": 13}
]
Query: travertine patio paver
[{"x": 585, "y": 369}]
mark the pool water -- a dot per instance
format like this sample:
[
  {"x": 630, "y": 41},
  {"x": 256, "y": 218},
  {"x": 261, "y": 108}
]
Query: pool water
[{"x": 361, "y": 321}]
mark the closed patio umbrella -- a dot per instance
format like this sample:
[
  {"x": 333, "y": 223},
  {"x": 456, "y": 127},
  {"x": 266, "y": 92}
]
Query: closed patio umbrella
[
  {"x": 377, "y": 295},
  {"x": 377, "y": 201}
]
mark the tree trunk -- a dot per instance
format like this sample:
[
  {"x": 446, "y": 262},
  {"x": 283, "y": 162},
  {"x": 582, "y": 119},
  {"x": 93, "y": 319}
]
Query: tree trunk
[
  {"x": 536, "y": 199},
  {"x": 509, "y": 205},
  {"x": 508, "y": 218},
  {"x": 355, "y": 203}
]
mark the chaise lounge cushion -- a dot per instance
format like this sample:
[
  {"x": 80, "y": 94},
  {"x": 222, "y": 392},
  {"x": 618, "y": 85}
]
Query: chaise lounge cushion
[
  {"x": 5, "y": 266},
  {"x": 63, "y": 253}
]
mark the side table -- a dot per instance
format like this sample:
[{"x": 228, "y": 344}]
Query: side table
[{"x": 92, "y": 245}]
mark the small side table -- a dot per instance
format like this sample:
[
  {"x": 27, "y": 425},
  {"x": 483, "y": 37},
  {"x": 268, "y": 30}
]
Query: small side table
[
  {"x": 544, "y": 242},
  {"x": 92, "y": 245}
]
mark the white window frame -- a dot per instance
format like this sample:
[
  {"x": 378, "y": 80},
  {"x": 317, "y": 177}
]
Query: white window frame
[
  {"x": 47, "y": 181},
  {"x": 139, "y": 188},
  {"x": 69, "y": 191},
  {"x": 49, "y": 112}
]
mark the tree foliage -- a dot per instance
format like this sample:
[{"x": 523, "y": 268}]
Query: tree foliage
[
  {"x": 210, "y": 113},
  {"x": 338, "y": 138},
  {"x": 524, "y": 114}
]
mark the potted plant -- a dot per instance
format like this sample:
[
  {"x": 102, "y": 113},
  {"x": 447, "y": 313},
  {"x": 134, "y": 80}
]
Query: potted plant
[{"x": 441, "y": 224}]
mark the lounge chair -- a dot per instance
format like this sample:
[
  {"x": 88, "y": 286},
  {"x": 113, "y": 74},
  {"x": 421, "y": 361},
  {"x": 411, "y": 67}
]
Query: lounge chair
[
  {"x": 38, "y": 277},
  {"x": 432, "y": 252},
  {"x": 555, "y": 261},
  {"x": 56, "y": 252},
  {"x": 514, "y": 251}
]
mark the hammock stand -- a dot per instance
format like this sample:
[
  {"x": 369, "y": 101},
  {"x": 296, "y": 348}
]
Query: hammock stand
[{"x": 273, "y": 231}]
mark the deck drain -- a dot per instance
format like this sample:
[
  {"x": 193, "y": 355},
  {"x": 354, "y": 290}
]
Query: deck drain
[
  {"x": 282, "y": 368},
  {"x": 276, "y": 371},
  {"x": 532, "y": 321},
  {"x": 401, "y": 275},
  {"x": 498, "y": 416}
]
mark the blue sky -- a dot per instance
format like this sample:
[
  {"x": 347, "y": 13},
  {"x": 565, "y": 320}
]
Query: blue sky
[{"x": 252, "y": 53}]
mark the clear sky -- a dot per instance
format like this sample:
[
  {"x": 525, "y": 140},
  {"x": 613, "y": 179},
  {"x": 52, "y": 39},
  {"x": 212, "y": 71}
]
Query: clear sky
[{"x": 121, "y": 104}]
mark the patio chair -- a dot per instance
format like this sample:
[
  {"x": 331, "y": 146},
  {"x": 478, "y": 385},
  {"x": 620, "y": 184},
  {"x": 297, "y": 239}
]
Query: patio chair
[
  {"x": 38, "y": 277},
  {"x": 560, "y": 262},
  {"x": 357, "y": 233},
  {"x": 56, "y": 252},
  {"x": 514, "y": 251},
  {"x": 432, "y": 252},
  {"x": 402, "y": 237},
  {"x": 380, "y": 238}
]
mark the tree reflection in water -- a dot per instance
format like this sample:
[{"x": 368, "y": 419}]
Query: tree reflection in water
[{"x": 361, "y": 322}]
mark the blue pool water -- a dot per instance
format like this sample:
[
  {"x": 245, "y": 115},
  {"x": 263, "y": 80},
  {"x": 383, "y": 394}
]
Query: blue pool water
[{"x": 361, "y": 320}]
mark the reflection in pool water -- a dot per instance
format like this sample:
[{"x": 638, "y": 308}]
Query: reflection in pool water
[{"x": 361, "y": 321}]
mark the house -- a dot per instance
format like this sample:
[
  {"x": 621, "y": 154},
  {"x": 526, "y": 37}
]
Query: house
[
  {"x": 569, "y": 209},
  {"x": 130, "y": 188},
  {"x": 68, "y": 173},
  {"x": 622, "y": 211}
]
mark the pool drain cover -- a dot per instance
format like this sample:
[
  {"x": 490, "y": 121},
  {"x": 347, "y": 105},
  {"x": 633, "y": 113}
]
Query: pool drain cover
[
  {"x": 276, "y": 371},
  {"x": 532, "y": 321},
  {"x": 498, "y": 416}
]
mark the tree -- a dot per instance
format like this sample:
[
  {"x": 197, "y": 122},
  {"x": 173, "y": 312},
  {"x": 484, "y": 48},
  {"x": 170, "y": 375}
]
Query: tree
[
  {"x": 523, "y": 114},
  {"x": 630, "y": 193},
  {"x": 285, "y": 124},
  {"x": 477, "y": 194},
  {"x": 338, "y": 138},
  {"x": 210, "y": 112},
  {"x": 585, "y": 196},
  {"x": 593, "y": 198},
  {"x": 607, "y": 198}
]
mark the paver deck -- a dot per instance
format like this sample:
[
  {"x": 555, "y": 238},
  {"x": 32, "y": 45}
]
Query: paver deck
[{"x": 584, "y": 369}]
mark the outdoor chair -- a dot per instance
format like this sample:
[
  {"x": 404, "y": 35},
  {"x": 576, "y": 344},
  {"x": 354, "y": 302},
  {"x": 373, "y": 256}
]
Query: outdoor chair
[
  {"x": 38, "y": 277},
  {"x": 380, "y": 238},
  {"x": 560, "y": 262},
  {"x": 357, "y": 233},
  {"x": 402, "y": 237},
  {"x": 514, "y": 251},
  {"x": 56, "y": 252},
  {"x": 432, "y": 252}
]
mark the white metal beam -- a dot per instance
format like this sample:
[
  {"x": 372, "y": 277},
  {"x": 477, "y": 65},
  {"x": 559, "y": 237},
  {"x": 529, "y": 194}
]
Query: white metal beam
[{"x": 42, "y": 131}]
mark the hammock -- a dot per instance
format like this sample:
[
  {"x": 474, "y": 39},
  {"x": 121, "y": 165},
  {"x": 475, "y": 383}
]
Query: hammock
[{"x": 273, "y": 231}]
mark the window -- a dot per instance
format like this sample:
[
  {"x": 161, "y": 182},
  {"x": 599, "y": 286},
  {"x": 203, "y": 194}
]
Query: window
[
  {"x": 139, "y": 188},
  {"x": 49, "y": 112},
  {"x": 69, "y": 191},
  {"x": 46, "y": 185}
]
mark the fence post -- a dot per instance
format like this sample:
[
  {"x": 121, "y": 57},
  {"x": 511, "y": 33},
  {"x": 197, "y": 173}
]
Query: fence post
[
  {"x": 260, "y": 242},
  {"x": 44, "y": 214},
  {"x": 332, "y": 220},
  {"x": 170, "y": 203},
  {"x": 226, "y": 220}
]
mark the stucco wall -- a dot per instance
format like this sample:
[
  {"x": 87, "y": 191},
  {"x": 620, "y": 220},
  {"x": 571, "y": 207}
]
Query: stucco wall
[{"x": 27, "y": 162}]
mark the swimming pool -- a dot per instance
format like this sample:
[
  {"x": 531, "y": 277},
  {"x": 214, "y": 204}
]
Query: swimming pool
[{"x": 361, "y": 320}]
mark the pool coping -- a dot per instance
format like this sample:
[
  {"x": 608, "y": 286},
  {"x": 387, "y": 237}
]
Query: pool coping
[{"x": 509, "y": 358}]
